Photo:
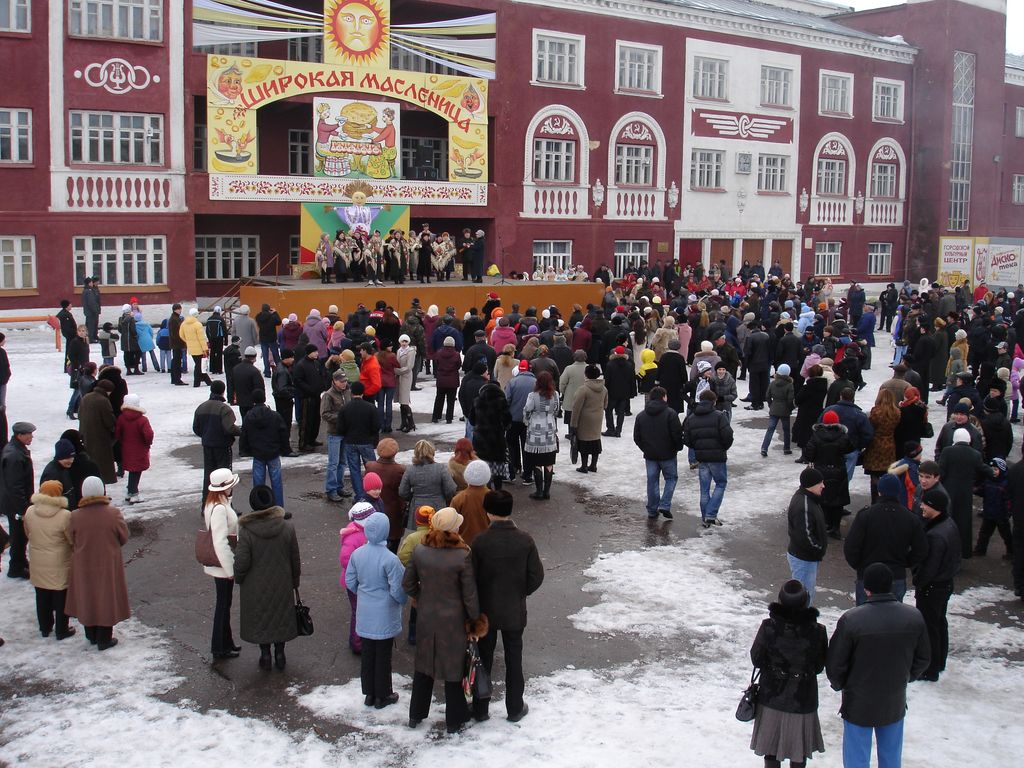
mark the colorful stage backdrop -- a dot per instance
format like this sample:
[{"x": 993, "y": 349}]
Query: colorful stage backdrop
[{"x": 317, "y": 219}]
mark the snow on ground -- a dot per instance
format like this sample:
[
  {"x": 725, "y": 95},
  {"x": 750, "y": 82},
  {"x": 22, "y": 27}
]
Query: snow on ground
[{"x": 693, "y": 608}]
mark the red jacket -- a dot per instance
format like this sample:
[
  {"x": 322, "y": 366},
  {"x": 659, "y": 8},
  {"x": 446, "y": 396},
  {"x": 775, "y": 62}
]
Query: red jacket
[
  {"x": 447, "y": 364},
  {"x": 369, "y": 374},
  {"x": 135, "y": 436}
]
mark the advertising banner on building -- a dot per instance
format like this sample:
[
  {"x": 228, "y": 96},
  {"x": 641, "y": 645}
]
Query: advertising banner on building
[
  {"x": 956, "y": 262},
  {"x": 357, "y": 139},
  {"x": 1003, "y": 264}
]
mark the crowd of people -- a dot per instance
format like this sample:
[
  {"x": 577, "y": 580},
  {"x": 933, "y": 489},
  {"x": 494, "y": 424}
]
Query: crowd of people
[{"x": 525, "y": 379}]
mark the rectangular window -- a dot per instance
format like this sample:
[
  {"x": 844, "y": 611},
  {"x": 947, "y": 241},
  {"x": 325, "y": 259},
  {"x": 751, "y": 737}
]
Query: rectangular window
[
  {"x": 558, "y": 59},
  {"x": 879, "y": 258},
  {"x": 1018, "y": 189},
  {"x": 772, "y": 173},
  {"x": 1019, "y": 132},
  {"x": 826, "y": 258},
  {"x": 121, "y": 260},
  {"x": 424, "y": 158},
  {"x": 834, "y": 98},
  {"x": 888, "y": 100},
  {"x": 306, "y": 49},
  {"x": 710, "y": 78},
  {"x": 199, "y": 147},
  {"x": 17, "y": 262},
  {"x": 776, "y": 86},
  {"x": 639, "y": 68},
  {"x": 630, "y": 253},
  {"x": 554, "y": 160},
  {"x": 552, "y": 253},
  {"x": 15, "y": 135},
  {"x": 634, "y": 164},
  {"x": 15, "y": 16},
  {"x": 831, "y": 177},
  {"x": 706, "y": 169},
  {"x": 116, "y": 137},
  {"x": 227, "y": 257},
  {"x": 294, "y": 249},
  {"x": 883, "y": 180},
  {"x": 962, "y": 135},
  {"x": 410, "y": 61},
  {"x": 122, "y": 19},
  {"x": 300, "y": 152}
]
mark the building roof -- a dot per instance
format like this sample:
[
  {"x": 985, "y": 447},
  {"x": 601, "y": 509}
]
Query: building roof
[{"x": 1013, "y": 61}]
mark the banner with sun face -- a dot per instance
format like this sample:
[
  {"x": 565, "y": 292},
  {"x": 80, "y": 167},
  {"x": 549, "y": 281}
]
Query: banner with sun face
[{"x": 357, "y": 33}]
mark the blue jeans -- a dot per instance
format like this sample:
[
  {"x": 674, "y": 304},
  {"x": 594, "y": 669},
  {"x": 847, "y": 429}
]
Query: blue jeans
[
  {"x": 165, "y": 359},
  {"x": 851, "y": 464},
  {"x": 260, "y": 469},
  {"x": 469, "y": 430},
  {"x": 353, "y": 454},
  {"x": 268, "y": 350},
  {"x": 660, "y": 499},
  {"x": 899, "y": 588},
  {"x": 897, "y": 357},
  {"x": 385, "y": 406},
  {"x": 335, "y": 464},
  {"x": 806, "y": 572},
  {"x": 857, "y": 745},
  {"x": 710, "y": 501},
  {"x": 773, "y": 422}
]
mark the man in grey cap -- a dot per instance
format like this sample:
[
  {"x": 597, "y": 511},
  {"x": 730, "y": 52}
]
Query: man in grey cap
[{"x": 16, "y": 488}]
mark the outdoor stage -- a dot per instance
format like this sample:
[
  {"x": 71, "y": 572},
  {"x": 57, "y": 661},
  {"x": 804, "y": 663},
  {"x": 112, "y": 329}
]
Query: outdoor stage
[{"x": 299, "y": 296}]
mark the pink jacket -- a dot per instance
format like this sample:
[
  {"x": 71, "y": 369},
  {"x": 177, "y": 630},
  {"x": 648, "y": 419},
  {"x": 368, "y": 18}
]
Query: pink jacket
[
  {"x": 1018, "y": 365},
  {"x": 501, "y": 336},
  {"x": 352, "y": 538}
]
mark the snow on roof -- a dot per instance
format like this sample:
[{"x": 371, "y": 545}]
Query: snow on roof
[{"x": 1013, "y": 61}]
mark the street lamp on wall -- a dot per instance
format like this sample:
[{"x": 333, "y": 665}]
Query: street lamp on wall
[
  {"x": 598, "y": 193},
  {"x": 673, "y": 195},
  {"x": 805, "y": 200}
]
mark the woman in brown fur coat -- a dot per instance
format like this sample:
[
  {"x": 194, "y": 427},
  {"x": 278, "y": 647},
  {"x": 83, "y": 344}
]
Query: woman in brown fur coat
[
  {"x": 439, "y": 578},
  {"x": 881, "y": 451}
]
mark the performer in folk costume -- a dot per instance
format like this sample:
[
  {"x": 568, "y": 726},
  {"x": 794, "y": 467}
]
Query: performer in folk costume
[{"x": 325, "y": 258}]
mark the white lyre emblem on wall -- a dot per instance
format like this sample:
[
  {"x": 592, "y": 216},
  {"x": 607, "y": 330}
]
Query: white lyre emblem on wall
[
  {"x": 744, "y": 126},
  {"x": 117, "y": 76}
]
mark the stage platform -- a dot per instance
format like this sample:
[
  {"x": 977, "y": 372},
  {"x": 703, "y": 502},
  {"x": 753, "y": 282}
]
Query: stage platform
[{"x": 299, "y": 296}]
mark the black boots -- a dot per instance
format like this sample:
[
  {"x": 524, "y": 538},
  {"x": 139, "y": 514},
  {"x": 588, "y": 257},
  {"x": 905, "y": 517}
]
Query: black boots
[
  {"x": 538, "y": 481},
  {"x": 407, "y": 423},
  {"x": 549, "y": 474},
  {"x": 279, "y": 660},
  {"x": 265, "y": 657}
]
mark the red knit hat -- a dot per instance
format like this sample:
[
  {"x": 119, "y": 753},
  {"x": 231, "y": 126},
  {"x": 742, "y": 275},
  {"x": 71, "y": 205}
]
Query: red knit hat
[
  {"x": 620, "y": 350},
  {"x": 492, "y": 295},
  {"x": 372, "y": 482},
  {"x": 830, "y": 417},
  {"x": 524, "y": 365}
]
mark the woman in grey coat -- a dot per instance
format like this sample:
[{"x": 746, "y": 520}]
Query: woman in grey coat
[
  {"x": 425, "y": 482},
  {"x": 405, "y": 372},
  {"x": 267, "y": 571},
  {"x": 541, "y": 417}
]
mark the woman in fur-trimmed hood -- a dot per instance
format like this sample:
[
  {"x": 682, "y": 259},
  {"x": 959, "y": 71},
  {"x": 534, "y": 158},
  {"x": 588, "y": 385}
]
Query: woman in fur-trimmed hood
[
  {"x": 440, "y": 579},
  {"x": 49, "y": 548}
]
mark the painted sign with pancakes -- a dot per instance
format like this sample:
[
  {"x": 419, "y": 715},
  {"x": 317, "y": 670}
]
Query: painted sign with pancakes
[{"x": 356, "y": 139}]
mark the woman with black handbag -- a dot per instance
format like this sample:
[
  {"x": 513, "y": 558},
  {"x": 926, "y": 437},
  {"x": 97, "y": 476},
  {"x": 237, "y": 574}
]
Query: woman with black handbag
[
  {"x": 789, "y": 651},
  {"x": 222, "y": 525}
]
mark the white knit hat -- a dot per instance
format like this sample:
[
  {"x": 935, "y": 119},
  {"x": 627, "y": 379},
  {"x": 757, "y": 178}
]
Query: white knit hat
[
  {"x": 477, "y": 473},
  {"x": 93, "y": 486},
  {"x": 707, "y": 346},
  {"x": 961, "y": 435}
]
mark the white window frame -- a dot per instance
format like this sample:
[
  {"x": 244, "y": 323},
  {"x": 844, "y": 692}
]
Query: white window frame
[
  {"x": 227, "y": 257},
  {"x": 554, "y": 160},
  {"x": 117, "y": 19},
  {"x": 14, "y": 132},
  {"x": 770, "y": 86},
  {"x": 825, "y": 78},
  {"x": 555, "y": 253},
  {"x": 107, "y": 256},
  {"x": 710, "y": 78},
  {"x": 634, "y": 165},
  {"x": 16, "y": 253},
  {"x": 1018, "y": 189},
  {"x": 627, "y": 251},
  {"x": 706, "y": 169},
  {"x": 773, "y": 174},
  {"x": 622, "y": 49},
  {"x": 89, "y": 138},
  {"x": 300, "y": 152},
  {"x": 879, "y": 258},
  {"x": 827, "y": 256},
  {"x": 306, "y": 49},
  {"x": 878, "y": 98},
  {"x": 890, "y": 179},
  {"x": 16, "y": 8},
  {"x": 832, "y": 176},
  {"x": 574, "y": 79},
  {"x": 1019, "y": 132}
]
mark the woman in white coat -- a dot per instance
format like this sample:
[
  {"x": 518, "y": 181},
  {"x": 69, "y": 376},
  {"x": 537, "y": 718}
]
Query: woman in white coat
[
  {"x": 406, "y": 355},
  {"x": 222, "y": 522}
]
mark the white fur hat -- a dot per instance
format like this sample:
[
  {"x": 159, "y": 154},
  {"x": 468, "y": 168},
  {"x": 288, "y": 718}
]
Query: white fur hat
[
  {"x": 93, "y": 486},
  {"x": 707, "y": 346},
  {"x": 961, "y": 435},
  {"x": 477, "y": 473}
]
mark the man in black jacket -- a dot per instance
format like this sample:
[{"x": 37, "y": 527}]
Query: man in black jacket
[
  {"x": 284, "y": 395},
  {"x": 808, "y": 533},
  {"x": 247, "y": 381},
  {"x": 620, "y": 381},
  {"x": 480, "y": 349},
  {"x": 876, "y": 649},
  {"x": 68, "y": 326},
  {"x": 707, "y": 431},
  {"x": 933, "y": 579},
  {"x": 359, "y": 424},
  {"x": 659, "y": 435},
  {"x": 1015, "y": 491},
  {"x": 267, "y": 321},
  {"x": 17, "y": 480},
  {"x": 757, "y": 353},
  {"x": 508, "y": 569},
  {"x": 308, "y": 385},
  {"x": 214, "y": 424},
  {"x": 215, "y": 336},
  {"x": 177, "y": 350},
  {"x": 469, "y": 389},
  {"x": 264, "y": 433},
  {"x": 886, "y": 532}
]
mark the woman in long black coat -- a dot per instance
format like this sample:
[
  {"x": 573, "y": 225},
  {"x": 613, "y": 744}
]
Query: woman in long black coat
[
  {"x": 913, "y": 423},
  {"x": 790, "y": 650},
  {"x": 810, "y": 402},
  {"x": 492, "y": 419},
  {"x": 827, "y": 450}
]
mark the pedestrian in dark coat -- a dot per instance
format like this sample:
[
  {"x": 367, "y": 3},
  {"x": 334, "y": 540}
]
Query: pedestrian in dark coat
[
  {"x": 390, "y": 473},
  {"x": 493, "y": 418},
  {"x": 81, "y": 467},
  {"x": 933, "y": 578},
  {"x": 810, "y": 402},
  {"x": 308, "y": 385},
  {"x": 267, "y": 569},
  {"x": 790, "y": 650},
  {"x": 264, "y": 433},
  {"x": 441, "y": 580},
  {"x": 961, "y": 465},
  {"x": 757, "y": 353},
  {"x": 995, "y": 510},
  {"x": 996, "y": 430},
  {"x": 1015, "y": 490},
  {"x": 808, "y": 533},
  {"x": 673, "y": 375},
  {"x": 247, "y": 379},
  {"x": 508, "y": 569},
  {"x": 913, "y": 424},
  {"x": 97, "y": 423},
  {"x": 826, "y": 452},
  {"x": 781, "y": 400},
  {"x": 17, "y": 482},
  {"x": 620, "y": 381},
  {"x": 214, "y": 424},
  {"x": 876, "y": 649},
  {"x": 447, "y": 364}
]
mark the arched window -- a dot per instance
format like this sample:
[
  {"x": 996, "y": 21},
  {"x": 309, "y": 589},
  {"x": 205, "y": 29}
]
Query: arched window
[
  {"x": 833, "y": 182},
  {"x": 887, "y": 184},
  {"x": 636, "y": 168},
  {"x": 556, "y": 167}
]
